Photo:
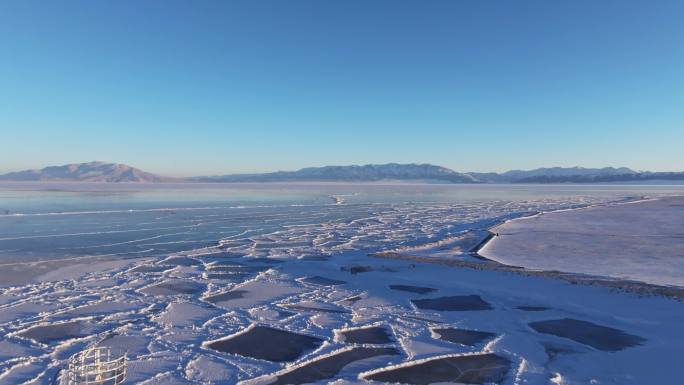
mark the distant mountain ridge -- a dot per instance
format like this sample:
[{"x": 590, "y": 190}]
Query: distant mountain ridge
[
  {"x": 424, "y": 173},
  {"x": 87, "y": 172},
  {"x": 365, "y": 173},
  {"x": 607, "y": 178},
  {"x": 560, "y": 173}
]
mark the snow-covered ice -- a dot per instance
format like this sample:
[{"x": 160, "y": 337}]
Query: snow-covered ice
[
  {"x": 641, "y": 241},
  {"x": 306, "y": 271}
]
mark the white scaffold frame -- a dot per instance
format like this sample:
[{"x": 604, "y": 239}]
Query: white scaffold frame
[{"x": 97, "y": 365}]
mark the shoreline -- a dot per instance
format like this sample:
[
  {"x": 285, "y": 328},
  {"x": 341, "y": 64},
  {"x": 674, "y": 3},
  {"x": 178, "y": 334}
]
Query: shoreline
[
  {"x": 635, "y": 287},
  {"x": 475, "y": 251},
  {"x": 624, "y": 285}
]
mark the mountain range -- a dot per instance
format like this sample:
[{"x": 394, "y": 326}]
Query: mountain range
[
  {"x": 424, "y": 173},
  {"x": 366, "y": 173},
  {"x": 87, "y": 172}
]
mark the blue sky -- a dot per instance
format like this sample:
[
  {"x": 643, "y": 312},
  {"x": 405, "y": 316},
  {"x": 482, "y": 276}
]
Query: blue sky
[{"x": 210, "y": 87}]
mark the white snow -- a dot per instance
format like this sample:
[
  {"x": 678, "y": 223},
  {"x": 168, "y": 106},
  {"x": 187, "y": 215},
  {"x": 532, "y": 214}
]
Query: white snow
[
  {"x": 641, "y": 241},
  {"x": 208, "y": 369},
  {"x": 165, "y": 332},
  {"x": 184, "y": 314}
]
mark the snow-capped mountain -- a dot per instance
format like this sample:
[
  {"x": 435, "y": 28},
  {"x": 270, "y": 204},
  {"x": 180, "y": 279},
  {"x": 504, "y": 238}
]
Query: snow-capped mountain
[
  {"x": 86, "y": 172},
  {"x": 365, "y": 173},
  {"x": 550, "y": 172}
]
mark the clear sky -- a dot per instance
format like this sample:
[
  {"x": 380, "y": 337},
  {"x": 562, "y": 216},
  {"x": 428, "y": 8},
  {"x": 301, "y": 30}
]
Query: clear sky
[{"x": 211, "y": 87}]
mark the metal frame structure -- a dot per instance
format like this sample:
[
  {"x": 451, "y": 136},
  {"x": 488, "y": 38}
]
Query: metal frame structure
[{"x": 97, "y": 366}]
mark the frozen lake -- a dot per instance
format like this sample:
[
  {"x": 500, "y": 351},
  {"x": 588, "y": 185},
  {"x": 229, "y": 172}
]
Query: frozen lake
[
  {"x": 640, "y": 241},
  {"x": 274, "y": 284},
  {"x": 41, "y": 221}
]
